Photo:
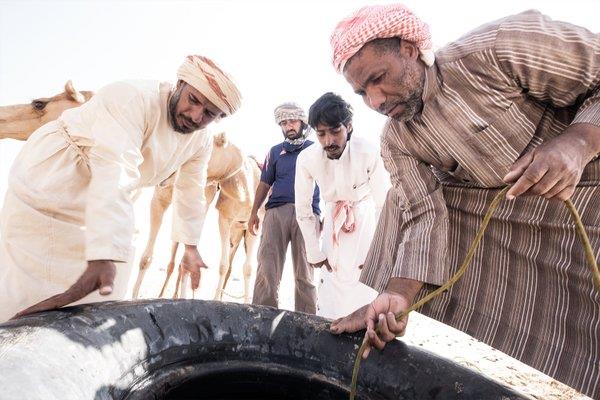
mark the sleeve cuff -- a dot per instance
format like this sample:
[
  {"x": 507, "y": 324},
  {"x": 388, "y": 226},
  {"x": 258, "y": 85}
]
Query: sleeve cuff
[
  {"x": 113, "y": 253},
  {"x": 315, "y": 256},
  {"x": 590, "y": 115},
  {"x": 188, "y": 240}
]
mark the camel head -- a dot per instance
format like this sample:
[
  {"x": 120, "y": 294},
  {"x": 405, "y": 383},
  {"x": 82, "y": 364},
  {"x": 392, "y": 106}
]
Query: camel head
[
  {"x": 21, "y": 120},
  {"x": 220, "y": 139}
]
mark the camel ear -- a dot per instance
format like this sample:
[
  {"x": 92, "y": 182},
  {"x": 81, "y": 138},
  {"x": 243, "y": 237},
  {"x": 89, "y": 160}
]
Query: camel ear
[
  {"x": 220, "y": 139},
  {"x": 72, "y": 93}
]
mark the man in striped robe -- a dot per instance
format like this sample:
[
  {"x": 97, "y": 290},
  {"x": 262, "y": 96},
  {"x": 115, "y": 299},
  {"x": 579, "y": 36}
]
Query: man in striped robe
[{"x": 515, "y": 101}]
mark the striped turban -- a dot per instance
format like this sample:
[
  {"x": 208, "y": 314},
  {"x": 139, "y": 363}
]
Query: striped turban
[
  {"x": 379, "y": 22},
  {"x": 288, "y": 111},
  {"x": 210, "y": 80}
]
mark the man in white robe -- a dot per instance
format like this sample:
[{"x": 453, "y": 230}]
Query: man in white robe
[
  {"x": 67, "y": 222},
  {"x": 353, "y": 185}
]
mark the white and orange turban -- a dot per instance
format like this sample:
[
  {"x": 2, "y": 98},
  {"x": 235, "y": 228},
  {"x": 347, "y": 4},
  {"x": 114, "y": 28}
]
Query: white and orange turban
[
  {"x": 379, "y": 22},
  {"x": 210, "y": 80}
]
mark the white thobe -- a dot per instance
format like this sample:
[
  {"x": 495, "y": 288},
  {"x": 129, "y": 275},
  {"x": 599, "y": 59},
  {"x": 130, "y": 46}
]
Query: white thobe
[
  {"x": 359, "y": 177},
  {"x": 69, "y": 197}
]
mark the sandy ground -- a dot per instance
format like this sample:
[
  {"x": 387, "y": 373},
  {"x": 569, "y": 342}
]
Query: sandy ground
[{"x": 422, "y": 331}]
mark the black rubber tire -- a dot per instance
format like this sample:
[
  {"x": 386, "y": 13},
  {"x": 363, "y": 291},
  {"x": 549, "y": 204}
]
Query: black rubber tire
[{"x": 163, "y": 349}]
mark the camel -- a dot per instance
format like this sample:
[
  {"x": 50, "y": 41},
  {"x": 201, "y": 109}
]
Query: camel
[
  {"x": 21, "y": 120},
  {"x": 229, "y": 171},
  {"x": 236, "y": 177}
]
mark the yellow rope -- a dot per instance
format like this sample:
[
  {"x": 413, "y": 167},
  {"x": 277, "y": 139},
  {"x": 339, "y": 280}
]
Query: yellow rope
[{"x": 589, "y": 254}]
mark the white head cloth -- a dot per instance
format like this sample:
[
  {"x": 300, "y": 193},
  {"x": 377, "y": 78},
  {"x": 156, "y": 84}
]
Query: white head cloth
[{"x": 210, "y": 80}]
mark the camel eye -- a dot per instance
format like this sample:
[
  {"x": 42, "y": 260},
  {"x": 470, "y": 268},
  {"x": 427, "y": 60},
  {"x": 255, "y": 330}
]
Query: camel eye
[{"x": 38, "y": 104}]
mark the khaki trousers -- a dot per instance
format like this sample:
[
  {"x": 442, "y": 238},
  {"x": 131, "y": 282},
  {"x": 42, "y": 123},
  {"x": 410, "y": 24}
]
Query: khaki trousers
[{"x": 279, "y": 229}]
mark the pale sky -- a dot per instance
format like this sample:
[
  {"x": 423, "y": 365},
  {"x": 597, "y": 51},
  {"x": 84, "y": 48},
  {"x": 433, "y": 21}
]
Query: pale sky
[{"x": 276, "y": 50}]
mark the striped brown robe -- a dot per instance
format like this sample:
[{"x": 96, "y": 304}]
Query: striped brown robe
[{"x": 493, "y": 95}]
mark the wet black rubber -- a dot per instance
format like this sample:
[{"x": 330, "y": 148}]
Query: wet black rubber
[{"x": 192, "y": 349}]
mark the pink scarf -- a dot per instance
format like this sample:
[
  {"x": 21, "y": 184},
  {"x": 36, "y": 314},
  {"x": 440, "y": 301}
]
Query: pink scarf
[{"x": 343, "y": 219}]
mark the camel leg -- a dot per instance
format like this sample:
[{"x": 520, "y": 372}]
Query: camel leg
[
  {"x": 185, "y": 283},
  {"x": 170, "y": 268},
  {"x": 180, "y": 272},
  {"x": 235, "y": 239},
  {"x": 225, "y": 231},
  {"x": 161, "y": 199},
  {"x": 251, "y": 247}
]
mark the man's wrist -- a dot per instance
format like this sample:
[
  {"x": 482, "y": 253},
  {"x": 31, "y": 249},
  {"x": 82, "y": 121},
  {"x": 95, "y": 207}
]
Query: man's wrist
[
  {"x": 407, "y": 288},
  {"x": 589, "y": 136}
]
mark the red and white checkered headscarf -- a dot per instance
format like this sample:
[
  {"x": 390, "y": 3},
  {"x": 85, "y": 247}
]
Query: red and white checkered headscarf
[{"x": 379, "y": 22}]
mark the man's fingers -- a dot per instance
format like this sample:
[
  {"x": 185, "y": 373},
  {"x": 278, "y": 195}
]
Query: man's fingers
[
  {"x": 367, "y": 351},
  {"x": 43, "y": 305},
  {"x": 370, "y": 325},
  {"x": 348, "y": 324},
  {"x": 557, "y": 188},
  {"x": 107, "y": 280},
  {"x": 93, "y": 278},
  {"x": 566, "y": 193},
  {"x": 367, "y": 347},
  {"x": 395, "y": 327},
  {"x": 195, "y": 278},
  {"x": 256, "y": 226},
  {"x": 351, "y": 323},
  {"x": 375, "y": 340},
  {"x": 547, "y": 183},
  {"x": 530, "y": 177},
  {"x": 371, "y": 317},
  {"x": 384, "y": 330},
  {"x": 105, "y": 290},
  {"x": 333, "y": 327},
  {"x": 517, "y": 169},
  {"x": 51, "y": 303},
  {"x": 253, "y": 225}
]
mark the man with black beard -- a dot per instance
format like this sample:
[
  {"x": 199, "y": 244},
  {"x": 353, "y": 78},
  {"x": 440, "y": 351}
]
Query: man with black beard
[
  {"x": 68, "y": 209},
  {"x": 279, "y": 225},
  {"x": 353, "y": 185}
]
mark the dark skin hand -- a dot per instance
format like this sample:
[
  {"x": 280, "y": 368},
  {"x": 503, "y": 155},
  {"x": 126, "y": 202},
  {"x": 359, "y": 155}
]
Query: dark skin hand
[
  {"x": 99, "y": 275},
  {"x": 192, "y": 263},
  {"x": 379, "y": 317},
  {"x": 553, "y": 169},
  {"x": 261, "y": 194}
]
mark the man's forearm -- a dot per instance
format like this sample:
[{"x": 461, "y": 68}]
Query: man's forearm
[
  {"x": 408, "y": 288},
  {"x": 259, "y": 198}
]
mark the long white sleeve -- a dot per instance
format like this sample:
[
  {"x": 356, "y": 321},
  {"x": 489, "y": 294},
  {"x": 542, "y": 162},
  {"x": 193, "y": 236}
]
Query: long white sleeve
[
  {"x": 379, "y": 181},
  {"x": 117, "y": 131},
  {"x": 304, "y": 186},
  {"x": 189, "y": 199}
]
